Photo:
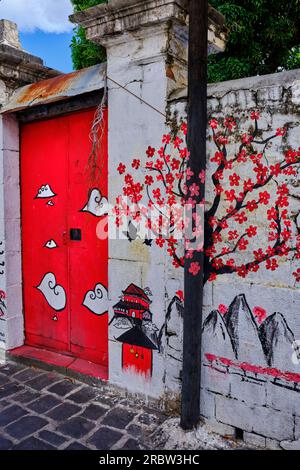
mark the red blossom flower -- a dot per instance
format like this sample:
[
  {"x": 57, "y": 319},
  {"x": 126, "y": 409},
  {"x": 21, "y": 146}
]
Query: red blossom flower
[
  {"x": 218, "y": 158},
  {"x": 255, "y": 115},
  {"x": 223, "y": 309},
  {"x": 213, "y": 123},
  {"x": 248, "y": 185},
  {"x": 160, "y": 242},
  {"x": 240, "y": 217},
  {"x": 177, "y": 142},
  {"x": 121, "y": 168},
  {"x": 251, "y": 231},
  {"x": 194, "y": 268},
  {"x": 271, "y": 264},
  {"x": 230, "y": 195},
  {"x": 184, "y": 128},
  {"x": 180, "y": 294},
  {"x": 166, "y": 139},
  {"x": 194, "y": 190},
  {"x": 272, "y": 213},
  {"x": 264, "y": 197},
  {"x": 212, "y": 277},
  {"x": 136, "y": 164},
  {"x": 242, "y": 271},
  {"x": 259, "y": 254},
  {"x": 234, "y": 180},
  {"x": 247, "y": 139},
  {"x": 260, "y": 313},
  {"x": 251, "y": 205},
  {"x": 150, "y": 151},
  {"x": 242, "y": 244},
  {"x": 296, "y": 275},
  {"x": 149, "y": 180},
  {"x": 175, "y": 164},
  {"x": 233, "y": 235},
  {"x": 159, "y": 164},
  {"x": 281, "y": 131}
]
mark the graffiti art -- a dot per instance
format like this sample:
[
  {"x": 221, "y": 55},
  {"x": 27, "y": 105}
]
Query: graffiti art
[
  {"x": 96, "y": 205},
  {"x": 51, "y": 244},
  {"x": 250, "y": 340},
  {"x": 132, "y": 313},
  {"x": 54, "y": 294},
  {"x": 45, "y": 192},
  {"x": 96, "y": 300}
]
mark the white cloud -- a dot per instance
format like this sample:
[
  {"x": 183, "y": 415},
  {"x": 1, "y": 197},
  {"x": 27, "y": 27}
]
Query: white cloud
[{"x": 50, "y": 16}]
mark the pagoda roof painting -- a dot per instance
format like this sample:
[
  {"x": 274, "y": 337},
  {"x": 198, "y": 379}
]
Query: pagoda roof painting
[
  {"x": 132, "y": 289},
  {"x": 124, "y": 305},
  {"x": 137, "y": 337}
]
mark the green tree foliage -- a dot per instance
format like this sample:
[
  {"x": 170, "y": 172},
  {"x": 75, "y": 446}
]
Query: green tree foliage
[
  {"x": 84, "y": 52},
  {"x": 264, "y": 37}
]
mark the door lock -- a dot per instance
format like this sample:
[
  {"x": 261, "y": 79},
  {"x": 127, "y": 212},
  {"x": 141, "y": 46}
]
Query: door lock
[{"x": 75, "y": 234}]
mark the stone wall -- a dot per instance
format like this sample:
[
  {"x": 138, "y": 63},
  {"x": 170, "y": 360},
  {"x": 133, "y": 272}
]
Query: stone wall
[{"x": 250, "y": 375}]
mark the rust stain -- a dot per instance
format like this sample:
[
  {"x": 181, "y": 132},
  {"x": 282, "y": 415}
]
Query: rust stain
[
  {"x": 47, "y": 88},
  {"x": 170, "y": 73}
]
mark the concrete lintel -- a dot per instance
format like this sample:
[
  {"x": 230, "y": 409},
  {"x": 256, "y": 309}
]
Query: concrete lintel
[{"x": 105, "y": 23}]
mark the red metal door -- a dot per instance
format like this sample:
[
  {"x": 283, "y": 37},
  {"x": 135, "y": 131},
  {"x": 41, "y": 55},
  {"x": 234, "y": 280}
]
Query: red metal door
[{"x": 64, "y": 263}]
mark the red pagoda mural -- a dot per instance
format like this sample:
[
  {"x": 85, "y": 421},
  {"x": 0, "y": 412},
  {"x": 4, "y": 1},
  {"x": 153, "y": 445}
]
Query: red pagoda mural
[{"x": 132, "y": 313}]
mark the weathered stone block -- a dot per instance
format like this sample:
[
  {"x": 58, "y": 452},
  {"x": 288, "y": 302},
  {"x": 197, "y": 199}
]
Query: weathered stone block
[
  {"x": 261, "y": 420},
  {"x": 254, "y": 439}
]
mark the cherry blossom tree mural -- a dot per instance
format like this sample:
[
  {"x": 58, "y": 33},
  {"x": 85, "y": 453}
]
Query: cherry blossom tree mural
[{"x": 250, "y": 221}]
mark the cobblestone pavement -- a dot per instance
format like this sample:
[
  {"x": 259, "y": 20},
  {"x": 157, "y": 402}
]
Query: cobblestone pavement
[{"x": 44, "y": 410}]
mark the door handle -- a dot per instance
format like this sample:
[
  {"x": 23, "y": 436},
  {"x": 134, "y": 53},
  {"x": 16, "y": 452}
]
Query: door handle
[{"x": 75, "y": 234}]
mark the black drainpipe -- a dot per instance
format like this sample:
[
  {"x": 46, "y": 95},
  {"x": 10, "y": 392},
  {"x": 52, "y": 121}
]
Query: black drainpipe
[{"x": 193, "y": 284}]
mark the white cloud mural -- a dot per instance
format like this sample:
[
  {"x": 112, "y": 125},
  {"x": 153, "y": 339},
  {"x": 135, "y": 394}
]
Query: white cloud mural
[
  {"x": 45, "y": 192},
  {"x": 96, "y": 300},
  {"x": 97, "y": 204},
  {"x": 54, "y": 294},
  {"x": 51, "y": 244}
]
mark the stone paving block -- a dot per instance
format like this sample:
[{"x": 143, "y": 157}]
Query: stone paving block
[
  {"x": 25, "y": 426},
  {"x": 9, "y": 389},
  {"x": 93, "y": 412},
  {"x": 84, "y": 395},
  {"x": 54, "y": 439},
  {"x": 64, "y": 411},
  {"x": 5, "y": 444},
  {"x": 63, "y": 388},
  {"x": 76, "y": 446},
  {"x": 26, "y": 396},
  {"x": 43, "y": 381},
  {"x": 76, "y": 427},
  {"x": 28, "y": 374},
  {"x": 11, "y": 414},
  {"x": 44, "y": 404},
  {"x": 131, "y": 444},
  {"x": 11, "y": 368},
  {"x": 147, "y": 419},
  {"x": 134, "y": 430},
  {"x": 118, "y": 418},
  {"x": 4, "y": 379},
  {"x": 104, "y": 438},
  {"x": 32, "y": 443}
]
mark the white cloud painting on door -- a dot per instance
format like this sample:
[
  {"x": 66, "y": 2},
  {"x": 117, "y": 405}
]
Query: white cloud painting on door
[
  {"x": 97, "y": 204},
  {"x": 54, "y": 294},
  {"x": 96, "y": 300}
]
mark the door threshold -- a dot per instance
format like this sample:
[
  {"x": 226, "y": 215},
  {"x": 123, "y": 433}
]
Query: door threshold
[{"x": 76, "y": 368}]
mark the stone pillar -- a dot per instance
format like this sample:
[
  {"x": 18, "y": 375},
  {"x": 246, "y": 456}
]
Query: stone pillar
[
  {"x": 17, "y": 68},
  {"x": 146, "y": 44}
]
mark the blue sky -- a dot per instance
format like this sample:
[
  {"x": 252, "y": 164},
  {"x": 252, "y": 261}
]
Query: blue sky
[
  {"x": 44, "y": 28},
  {"x": 53, "y": 48}
]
